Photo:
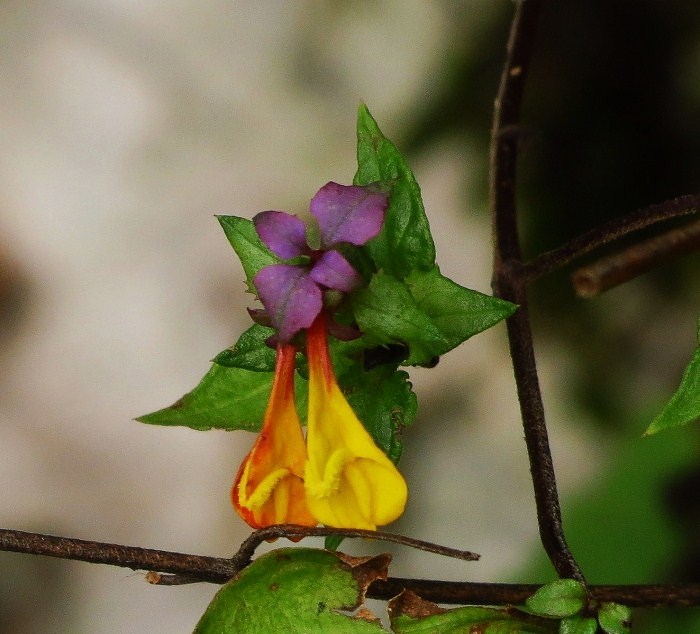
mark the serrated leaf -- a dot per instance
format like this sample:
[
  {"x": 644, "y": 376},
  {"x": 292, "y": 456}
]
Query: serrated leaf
[
  {"x": 225, "y": 398},
  {"x": 615, "y": 618},
  {"x": 296, "y": 591},
  {"x": 428, "y": 312},
  {"x": 386, "y": 311},
  {"x": 561, "y": 598},
  {"x": 578, "y": 625},
  {"x": 458, "y": 312},
  {"x": 245, "y": 241},
  {"x": 405, "y": 243},
  {"x": 412, "y": 615},
  {"x": 250, "y": 352},
  {"x": 684, "y": 406}
]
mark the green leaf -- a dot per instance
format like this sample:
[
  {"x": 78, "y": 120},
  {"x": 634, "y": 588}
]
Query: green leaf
[
  {"x": 615, "y": 618},
  {"x": 250, "y": 351},
  {"x": 387, "y": 312},
  {"x": 427, "y": 311},
  {"x": 405, "y": 243},
  {"x": 245, "y": 241},
  {"x": 458, "y": 312},
  {"x": 684, "y": 406},
  {"x": 578, "y": 625},
  {"x": 563, "y": 597},
  {"x": 226, "y": 398},
  {"x": 292, "y": 590}
]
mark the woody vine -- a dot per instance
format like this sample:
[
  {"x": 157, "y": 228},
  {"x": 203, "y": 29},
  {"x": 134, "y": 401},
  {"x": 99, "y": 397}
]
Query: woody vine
[{"x": 347, "y": 299}]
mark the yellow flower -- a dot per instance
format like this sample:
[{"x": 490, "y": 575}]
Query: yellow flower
[
  {"x": 269, "y": 487},
  {"x": 349, "y": 481}
]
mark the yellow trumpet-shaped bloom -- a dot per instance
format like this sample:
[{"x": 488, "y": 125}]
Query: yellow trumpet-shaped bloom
[
  {"x": 349, "y": 481},
  {"x": 269, "y": 487}
]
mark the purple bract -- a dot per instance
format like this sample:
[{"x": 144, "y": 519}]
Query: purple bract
[{"x": 292, "y": 294}]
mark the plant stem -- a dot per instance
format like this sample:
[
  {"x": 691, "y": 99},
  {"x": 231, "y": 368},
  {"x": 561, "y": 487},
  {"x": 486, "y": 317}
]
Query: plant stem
[
  {"x": 617, "y": 228},
  {"x": 510, "y": 283},
  {"x": 621, "y": 267}
]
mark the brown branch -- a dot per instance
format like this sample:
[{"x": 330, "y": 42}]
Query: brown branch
[
  {"x": 617, "y": 228},
  {"x": 621, "y": 267},
  {"x": 210, "y": 569},
  {"x": 510, "y": 283},
  {"x": 186, "y": 568},
  {"x": 180, "y": 568}
]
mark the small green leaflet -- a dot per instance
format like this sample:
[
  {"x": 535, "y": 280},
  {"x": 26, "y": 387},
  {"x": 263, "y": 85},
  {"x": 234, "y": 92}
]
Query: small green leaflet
[
  {"x": 296, "y": 591},
  {"x": 684, "y": 406},
  {"x": 615, "y": 618},
  {"x": 561, "y": 598}
]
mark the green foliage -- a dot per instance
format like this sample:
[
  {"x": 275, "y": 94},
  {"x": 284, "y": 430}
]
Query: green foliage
[
  {"x": 292, "y": 590},
  {"x": 384, "y": 401},
  {"x": 427, "y": 311},
  {"x": 388, "y": 313},
  {"x": 615, "y": 618},
  {"x": 684, "y": 406},
  {"x": 561, "y": 598},
  {"x": 405, "y": 243},
  {"x": 250, "y": 351},
  {"x": 226, "y": 398}
]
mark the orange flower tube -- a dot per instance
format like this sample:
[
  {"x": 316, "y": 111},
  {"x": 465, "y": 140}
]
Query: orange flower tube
[
  {"x": 269, "y": 487},
  {"x": 349, "y": 481}
]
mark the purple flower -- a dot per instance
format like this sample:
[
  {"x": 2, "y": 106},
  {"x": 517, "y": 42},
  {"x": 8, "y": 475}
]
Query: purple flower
[{"x": 292, "y": 294}]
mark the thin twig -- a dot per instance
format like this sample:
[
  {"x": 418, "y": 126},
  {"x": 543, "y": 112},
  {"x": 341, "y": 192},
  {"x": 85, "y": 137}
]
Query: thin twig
[
  {"x": 619, "y": 268},
  {"x": 617, "y": 228},
  {"x": 510, "y": 284},
  {"x": 247, "y": 548}
]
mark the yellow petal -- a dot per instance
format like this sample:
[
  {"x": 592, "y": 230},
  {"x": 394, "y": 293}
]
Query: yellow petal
[{"x": 349, "y": 481}]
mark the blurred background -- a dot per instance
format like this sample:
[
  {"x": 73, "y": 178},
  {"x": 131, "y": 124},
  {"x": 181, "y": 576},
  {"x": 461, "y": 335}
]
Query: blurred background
[{"x": 127, "y": 125}]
